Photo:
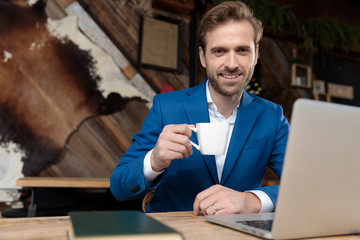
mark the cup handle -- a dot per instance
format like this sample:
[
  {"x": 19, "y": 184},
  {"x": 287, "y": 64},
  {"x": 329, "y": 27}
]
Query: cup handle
[{"x": 195, "y": 145}]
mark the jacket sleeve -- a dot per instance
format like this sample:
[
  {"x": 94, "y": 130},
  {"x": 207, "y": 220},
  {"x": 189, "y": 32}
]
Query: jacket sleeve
[
  {"x": 127, "y": 181},
  {"x": 278, "y": 154}
]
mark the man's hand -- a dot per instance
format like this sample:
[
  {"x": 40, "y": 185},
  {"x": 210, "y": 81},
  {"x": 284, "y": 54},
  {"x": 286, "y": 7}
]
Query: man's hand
[
  {"x": 173, "y": 143},
  {"x": 218, "y": 199}
]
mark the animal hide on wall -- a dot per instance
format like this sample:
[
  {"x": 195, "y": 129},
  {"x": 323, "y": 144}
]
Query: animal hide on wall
[{"x": 48, "y": 86}]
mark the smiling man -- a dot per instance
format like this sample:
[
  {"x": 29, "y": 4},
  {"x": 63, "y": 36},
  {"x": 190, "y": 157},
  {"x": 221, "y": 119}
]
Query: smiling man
[{"x": 161, "y": 155}]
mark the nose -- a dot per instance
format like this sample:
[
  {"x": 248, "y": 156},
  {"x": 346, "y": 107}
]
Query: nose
[{"x": 231, "y": 61}]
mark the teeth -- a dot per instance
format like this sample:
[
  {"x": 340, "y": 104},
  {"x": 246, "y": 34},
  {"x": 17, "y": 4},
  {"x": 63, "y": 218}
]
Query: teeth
[{"x": 230, "y": 76}]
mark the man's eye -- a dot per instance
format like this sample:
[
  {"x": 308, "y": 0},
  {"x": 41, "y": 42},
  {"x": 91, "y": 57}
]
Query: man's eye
[
  {"x": 243, "y": 50},
  {"x": 218, "y": 51}
]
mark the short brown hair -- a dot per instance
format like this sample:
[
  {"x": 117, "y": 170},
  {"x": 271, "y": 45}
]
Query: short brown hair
[{"x": 225, "y": 12}]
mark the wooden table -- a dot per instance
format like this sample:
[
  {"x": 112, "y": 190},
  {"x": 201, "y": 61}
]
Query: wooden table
[
  {"x": 192, "y": 227},
  {"x": 55, "y": 192},
  {"x": 40, "y": 187},
  {"x": 61, "y": 182}
]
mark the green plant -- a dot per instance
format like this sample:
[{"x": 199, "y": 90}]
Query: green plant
[{"x": 311, "y": 34}]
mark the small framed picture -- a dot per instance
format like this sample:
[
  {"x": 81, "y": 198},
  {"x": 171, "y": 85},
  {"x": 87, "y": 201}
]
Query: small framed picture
[
  {"x": 300, "y": 75},
  {"x": 160, "y": 43},
  {"x": 319, "y": 91},
  {"x": 319, "y": 87}
]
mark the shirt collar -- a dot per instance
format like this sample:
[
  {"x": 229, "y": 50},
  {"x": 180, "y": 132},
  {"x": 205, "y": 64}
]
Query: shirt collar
[{"x": 212, "y": 107}]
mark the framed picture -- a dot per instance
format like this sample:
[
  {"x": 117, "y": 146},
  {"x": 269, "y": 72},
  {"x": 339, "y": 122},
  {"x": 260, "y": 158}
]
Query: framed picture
[
  {"x": 341, "y": 91},
  {"x": 319, "y": 87},
  {"x": 319, "y": 91},
  {"x": 160, "y": 43},
  {"x": 300, "y": 75}
]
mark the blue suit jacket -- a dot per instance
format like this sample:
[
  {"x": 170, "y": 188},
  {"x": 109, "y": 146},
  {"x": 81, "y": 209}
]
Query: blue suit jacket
[{"x": 258, "y": 140}]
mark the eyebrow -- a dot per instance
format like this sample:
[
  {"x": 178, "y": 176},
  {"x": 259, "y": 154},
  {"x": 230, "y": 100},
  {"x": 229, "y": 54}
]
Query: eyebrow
[
  {"x": 224, "y": 48},
  {"x": 217, "y": 48}
]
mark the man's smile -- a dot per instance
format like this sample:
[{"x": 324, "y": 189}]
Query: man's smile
[{"x": 230, "y": 76}]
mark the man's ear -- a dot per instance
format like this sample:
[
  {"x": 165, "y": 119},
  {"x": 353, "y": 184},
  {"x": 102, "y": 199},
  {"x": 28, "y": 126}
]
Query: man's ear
[
  {"x": 256, "y": 53},
  {"x": 202, "y": 57}
]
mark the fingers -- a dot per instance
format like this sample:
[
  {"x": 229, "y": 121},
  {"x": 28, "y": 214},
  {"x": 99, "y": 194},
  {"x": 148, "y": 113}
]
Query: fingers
[
  {"x": 175, "y": 138},
  {"x": 173, "y": 143},
  {"x": 191, "y": 126},
  {"x": 222, "y": 200},
  {"x": 179, "y": 129},
  {"x": 205, "y": 200}
]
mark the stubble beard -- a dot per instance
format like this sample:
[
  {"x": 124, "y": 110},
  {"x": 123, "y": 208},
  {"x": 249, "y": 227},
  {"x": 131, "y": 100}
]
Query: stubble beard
[{"x": 227, "y": 93}]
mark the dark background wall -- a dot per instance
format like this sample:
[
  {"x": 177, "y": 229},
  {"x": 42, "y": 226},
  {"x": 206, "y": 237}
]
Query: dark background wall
[{"x": 340, "y": 70}]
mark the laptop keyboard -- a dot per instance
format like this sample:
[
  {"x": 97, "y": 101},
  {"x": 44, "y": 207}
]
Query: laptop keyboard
[{"x": 263, "y": 224}]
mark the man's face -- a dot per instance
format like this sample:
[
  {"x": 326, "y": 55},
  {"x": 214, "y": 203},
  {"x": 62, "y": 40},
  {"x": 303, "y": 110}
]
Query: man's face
[{"x": 230, "y": 57}]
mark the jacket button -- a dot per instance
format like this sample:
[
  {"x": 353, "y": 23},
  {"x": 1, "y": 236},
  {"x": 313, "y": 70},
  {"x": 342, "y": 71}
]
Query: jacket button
[{"x": 135, "y": 189}]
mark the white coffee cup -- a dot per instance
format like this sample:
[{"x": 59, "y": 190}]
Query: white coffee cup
[{"x": 212, "y": 137}]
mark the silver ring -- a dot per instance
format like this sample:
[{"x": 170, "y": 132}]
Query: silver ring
[{"x": 214, "y": 207}]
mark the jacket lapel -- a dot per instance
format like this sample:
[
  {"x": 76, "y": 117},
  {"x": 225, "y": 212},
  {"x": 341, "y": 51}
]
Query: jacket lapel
[
  {"x": 245, "y": 119},
  {"x": 196, "y": 108},
  {"x": 195, "y": 103}
]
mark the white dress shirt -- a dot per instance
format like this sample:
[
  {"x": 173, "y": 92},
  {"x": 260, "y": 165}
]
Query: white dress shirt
[{"x": 266, "y": 203}]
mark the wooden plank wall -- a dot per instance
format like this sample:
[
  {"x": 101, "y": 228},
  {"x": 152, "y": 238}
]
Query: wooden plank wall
[
  {"x": 121, "y": 24},
  {"x": 94, "y": 149}
]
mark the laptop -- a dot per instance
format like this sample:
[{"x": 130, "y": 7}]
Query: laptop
[{"x": 319, "y": 191}]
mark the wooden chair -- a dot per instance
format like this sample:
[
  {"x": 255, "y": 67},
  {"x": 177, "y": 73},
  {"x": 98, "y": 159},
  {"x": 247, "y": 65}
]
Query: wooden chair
[{"x": 147, "y": 199}]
